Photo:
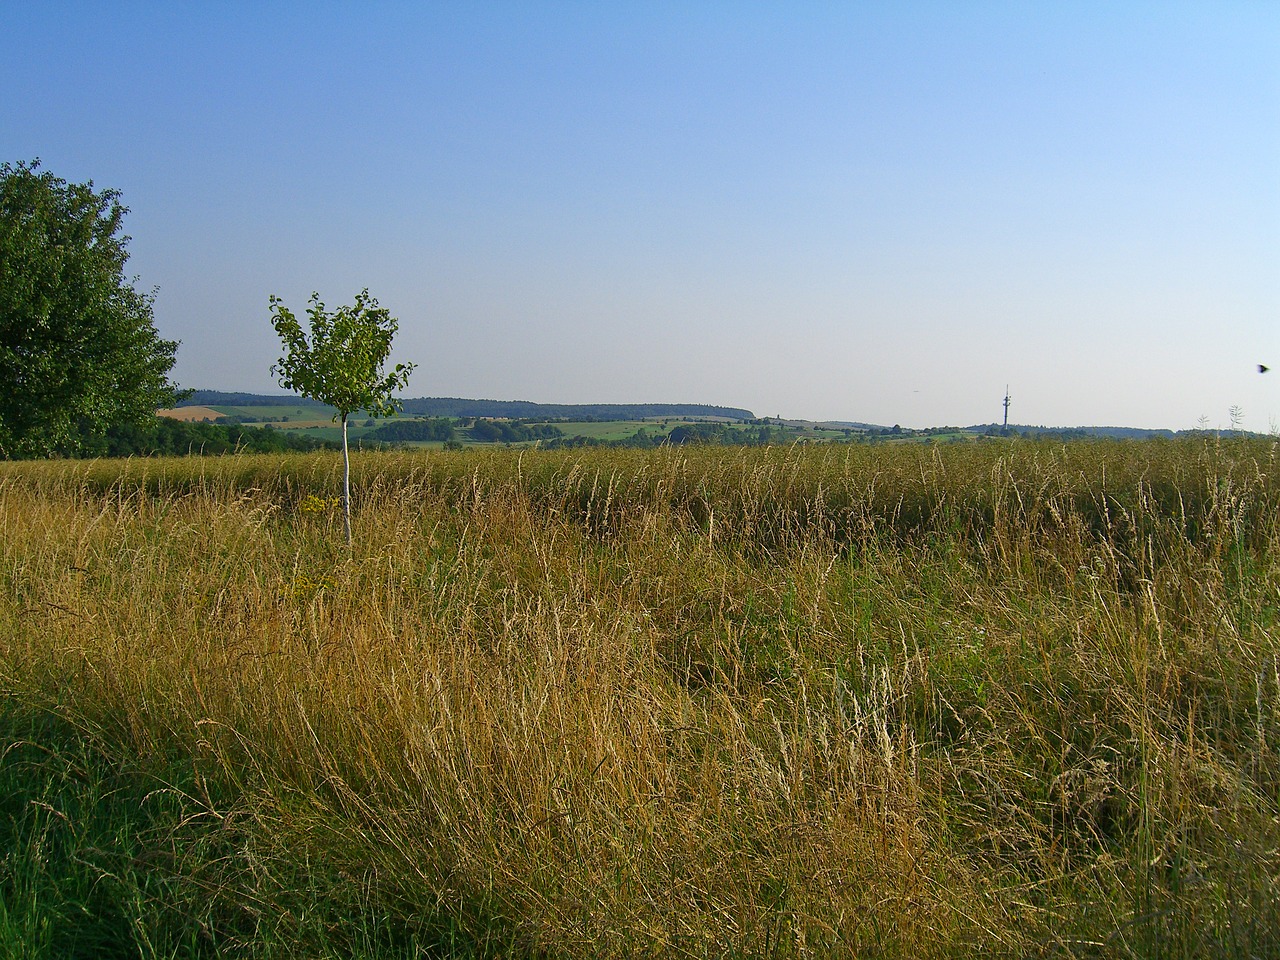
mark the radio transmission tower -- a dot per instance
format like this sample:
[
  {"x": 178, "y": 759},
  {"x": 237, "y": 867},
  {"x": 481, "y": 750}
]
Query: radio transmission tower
[{"x": 1006, "y": 409}]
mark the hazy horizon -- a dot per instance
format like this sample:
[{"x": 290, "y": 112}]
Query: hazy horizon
[{"x": 879, "y": 212}]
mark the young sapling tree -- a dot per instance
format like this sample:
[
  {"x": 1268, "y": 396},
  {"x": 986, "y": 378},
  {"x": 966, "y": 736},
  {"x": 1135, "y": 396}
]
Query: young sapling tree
[{"x": 340, "y": 362}]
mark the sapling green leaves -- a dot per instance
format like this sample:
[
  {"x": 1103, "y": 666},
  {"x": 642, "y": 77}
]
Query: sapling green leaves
[{"x": 340, "y": 361}]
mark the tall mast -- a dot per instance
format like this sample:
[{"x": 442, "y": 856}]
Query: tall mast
[{"x": 1006, "y": 408}]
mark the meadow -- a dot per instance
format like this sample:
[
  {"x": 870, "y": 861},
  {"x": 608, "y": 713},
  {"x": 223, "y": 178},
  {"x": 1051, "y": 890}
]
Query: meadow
[{"x": 1004, "y": 699}]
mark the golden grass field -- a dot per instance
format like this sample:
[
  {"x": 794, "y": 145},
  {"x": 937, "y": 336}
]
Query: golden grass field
[{"x": 984, "y": 700}]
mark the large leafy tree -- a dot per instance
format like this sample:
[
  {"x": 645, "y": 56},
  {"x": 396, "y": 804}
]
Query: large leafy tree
[
  {"x": 79, "y": 351},
  {"x": 340, "y": 362}
]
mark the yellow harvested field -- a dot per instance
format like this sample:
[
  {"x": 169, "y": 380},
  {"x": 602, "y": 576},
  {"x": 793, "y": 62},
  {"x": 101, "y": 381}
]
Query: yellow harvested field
[{"x": 189, "y": 413}]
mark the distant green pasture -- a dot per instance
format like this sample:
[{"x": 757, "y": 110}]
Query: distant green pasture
[{"x": 612, "y": 429}]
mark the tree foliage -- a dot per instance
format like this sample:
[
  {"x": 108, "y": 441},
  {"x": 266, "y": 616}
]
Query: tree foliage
[
  {"x": 79, "y": 351},
  {"x": 410, "y": 431},
  {"x": 164, "y": 437},
  {"x": 504, "y": 431},
  {"x": 340, "y": 362}
]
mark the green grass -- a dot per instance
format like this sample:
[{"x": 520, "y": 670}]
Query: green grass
[
  {"x": 985, "y": 700},
  {"x": 611, "y": 429}
]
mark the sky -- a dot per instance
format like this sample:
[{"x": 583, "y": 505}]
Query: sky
[{"x": 884, "y": 212}]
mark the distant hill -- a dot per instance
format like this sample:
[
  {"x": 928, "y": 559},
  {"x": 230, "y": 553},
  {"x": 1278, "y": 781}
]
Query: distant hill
[
  {"x": 219, "y": 398},
  {"x": 527, "y": 410},
  {"x": 1115, "y": 433},
  {"x": 459, "y": 408},
  {"x": 850, "y": 425},
  {"x": 505, "y": 409}
]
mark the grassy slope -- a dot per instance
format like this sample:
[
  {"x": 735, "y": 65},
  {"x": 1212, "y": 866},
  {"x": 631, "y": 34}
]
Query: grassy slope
[{"x": 856, "y": 702}]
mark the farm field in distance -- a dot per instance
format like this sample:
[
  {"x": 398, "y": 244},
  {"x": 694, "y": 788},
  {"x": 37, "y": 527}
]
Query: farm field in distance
[
  {"x": 498, "y": 423},
  {"x": 1017, "y": 699},
  {"x": 429, "y": 423},
  {"x": 318, "y": 422}
]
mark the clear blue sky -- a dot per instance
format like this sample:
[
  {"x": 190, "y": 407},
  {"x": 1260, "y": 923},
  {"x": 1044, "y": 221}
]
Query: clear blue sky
[{"x": 861, "y": 211}]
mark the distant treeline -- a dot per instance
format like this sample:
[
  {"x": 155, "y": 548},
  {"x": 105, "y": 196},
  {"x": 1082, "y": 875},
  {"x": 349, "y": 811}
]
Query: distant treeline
[
  {"x": 410, "y": 431},
  {"x": 217, "y": 398},
  {"x": 705, "y": 434},
  {"x": 504, "y": 431},
  {"x": 177, "y": 438},
  {"x": 504, "y": 409},
  {"x": 527, "y": 410},
  {"x": 443, "y": 429},
  {"x": 1073, "y": 433}
]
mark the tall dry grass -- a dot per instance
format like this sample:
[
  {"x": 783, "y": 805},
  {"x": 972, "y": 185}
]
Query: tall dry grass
[{"x": 988, "y": 700}]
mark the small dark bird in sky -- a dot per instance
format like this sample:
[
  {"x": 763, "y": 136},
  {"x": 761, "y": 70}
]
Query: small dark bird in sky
[{"x": 1263, "y": 368}]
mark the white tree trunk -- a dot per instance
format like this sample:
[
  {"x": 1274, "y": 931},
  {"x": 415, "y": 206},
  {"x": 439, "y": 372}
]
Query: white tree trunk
[{"x": 346, "y": 483}]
